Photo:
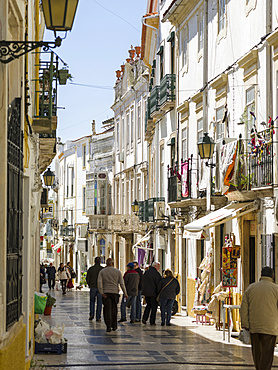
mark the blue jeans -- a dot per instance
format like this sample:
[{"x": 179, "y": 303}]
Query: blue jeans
[
  {"x": 124, "y": 303},
  {"x": 94, "y": 293},
  {"x": 166, "y": 307},
  {"x": 139, "y": 306}
]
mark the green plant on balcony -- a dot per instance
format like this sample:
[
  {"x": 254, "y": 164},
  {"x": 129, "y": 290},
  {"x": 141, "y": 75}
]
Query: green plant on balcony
[{"x": 244, "y": 183}]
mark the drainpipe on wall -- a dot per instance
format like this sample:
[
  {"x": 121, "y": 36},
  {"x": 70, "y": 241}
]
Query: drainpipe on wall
[
  {"x": 205, "y": 92},
  {"x": 37, "y": 55}
]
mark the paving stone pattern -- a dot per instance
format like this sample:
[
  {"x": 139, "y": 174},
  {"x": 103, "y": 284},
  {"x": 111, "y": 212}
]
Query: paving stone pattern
[{"x": 136, "y": 346}]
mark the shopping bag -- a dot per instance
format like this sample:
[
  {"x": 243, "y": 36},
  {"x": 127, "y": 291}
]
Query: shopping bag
[
  {"x": 40, "y": 303},
  {"x": 57, "y": 285},
  {"x": 244, "y": 336}
]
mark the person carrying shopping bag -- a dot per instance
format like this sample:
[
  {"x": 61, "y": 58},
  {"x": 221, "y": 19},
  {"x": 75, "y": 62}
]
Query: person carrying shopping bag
[{"x": 168, "y": 288}]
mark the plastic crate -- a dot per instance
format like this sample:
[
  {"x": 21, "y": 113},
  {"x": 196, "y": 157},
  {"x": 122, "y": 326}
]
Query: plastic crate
[
  {"x": 65, "y": 347},
  {"x": 43, "y": 348}
]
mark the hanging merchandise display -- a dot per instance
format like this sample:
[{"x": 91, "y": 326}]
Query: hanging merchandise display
[
  {"x": 261, "y": 142},
  {"x": 204, "y": 279},
  {"x": 230, "y": 255}
]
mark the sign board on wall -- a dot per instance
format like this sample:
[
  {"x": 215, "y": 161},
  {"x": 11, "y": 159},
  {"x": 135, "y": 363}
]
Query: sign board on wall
[{"x": 48, "y": 212}]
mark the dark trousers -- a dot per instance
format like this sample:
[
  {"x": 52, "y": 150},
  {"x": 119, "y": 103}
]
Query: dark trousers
[
  {"x": 263, "y": 350},
  {"x": 95, "y": 295},
  {"x": 139, "y": 306},
  {"x": 51, "y": 283},
  {"x": 166, "y": 308},
  {"x": 64, "y": 285},
  {"x": 151, "y": 307},
  {"x": 110, "y": 310}
]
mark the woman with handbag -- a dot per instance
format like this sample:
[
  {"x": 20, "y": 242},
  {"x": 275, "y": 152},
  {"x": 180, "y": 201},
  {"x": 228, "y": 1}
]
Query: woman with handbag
[
  {"x": 168, "y": 288},
  {"x": 64, "y": 275}
]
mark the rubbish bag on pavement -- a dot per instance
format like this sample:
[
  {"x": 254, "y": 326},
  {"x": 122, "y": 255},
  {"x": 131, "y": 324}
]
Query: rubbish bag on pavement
[{"x": 40, "y": 303}]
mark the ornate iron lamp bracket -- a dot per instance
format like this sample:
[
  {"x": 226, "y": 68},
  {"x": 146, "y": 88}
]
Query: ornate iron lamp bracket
[{"x": 10, "y": 50}]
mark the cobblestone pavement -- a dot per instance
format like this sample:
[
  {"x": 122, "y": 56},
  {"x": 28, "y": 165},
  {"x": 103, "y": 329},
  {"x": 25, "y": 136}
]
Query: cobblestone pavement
[{"x": 136, "y": 346}]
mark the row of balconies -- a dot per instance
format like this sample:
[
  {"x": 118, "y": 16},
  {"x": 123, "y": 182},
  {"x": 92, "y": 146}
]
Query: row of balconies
[
  {"x": 253, "y": 169},
  {"x": 162, "y": 98}
]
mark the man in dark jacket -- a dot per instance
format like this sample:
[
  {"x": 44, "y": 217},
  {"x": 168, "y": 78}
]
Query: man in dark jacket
[
  {"x": 91, "y": 278},
  {"x": 51, "y": 273},
  {"x": 139, "y": 296},
  {"x": 131, "y": 279},
  {"x": 150, "y": 281}
]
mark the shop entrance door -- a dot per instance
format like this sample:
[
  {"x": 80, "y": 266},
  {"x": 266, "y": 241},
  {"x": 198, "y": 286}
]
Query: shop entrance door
[{"x": 252, "y": 260}]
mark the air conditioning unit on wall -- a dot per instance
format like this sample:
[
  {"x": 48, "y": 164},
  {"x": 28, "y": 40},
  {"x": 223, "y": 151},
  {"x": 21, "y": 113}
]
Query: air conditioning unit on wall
[
  {"x": 121, "y": 157},
  {"x": 159, "y": 210}
]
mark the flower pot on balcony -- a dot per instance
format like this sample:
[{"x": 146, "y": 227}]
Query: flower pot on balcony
[
  {"x": 131, "y": 53},
  {"x": 63, "y": 75},
  {"x": 138, "y": 51}
]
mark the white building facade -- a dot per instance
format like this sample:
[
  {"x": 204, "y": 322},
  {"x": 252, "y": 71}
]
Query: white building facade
[
  {"x": 226, "y": 74},
  {"x": 99, "y": 179},
  {"x": 71, "y": 164}
]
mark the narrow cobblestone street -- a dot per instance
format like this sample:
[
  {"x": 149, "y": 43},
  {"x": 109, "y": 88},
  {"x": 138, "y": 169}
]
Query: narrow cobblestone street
[{"x": 138, "y": 346}]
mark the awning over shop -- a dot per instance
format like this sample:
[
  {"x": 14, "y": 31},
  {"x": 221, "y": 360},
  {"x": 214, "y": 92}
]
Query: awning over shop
[
  {"x": 143, "y": 239},
  {"x": 197, "y": 228},
  {"x": 58, "y": 245}
]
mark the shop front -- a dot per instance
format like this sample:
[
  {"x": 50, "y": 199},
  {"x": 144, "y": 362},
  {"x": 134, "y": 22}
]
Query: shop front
[{"x": 224, "y": 246}]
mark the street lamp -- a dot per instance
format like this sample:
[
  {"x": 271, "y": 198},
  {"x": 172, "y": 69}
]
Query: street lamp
[
  {"x": 65, "y": 222},
  {"x": 206, "y": 146},
  {"x": 135, "y": 207},
  {"x": 48, "y": 177},
  {"x": 59, "y": 16}
]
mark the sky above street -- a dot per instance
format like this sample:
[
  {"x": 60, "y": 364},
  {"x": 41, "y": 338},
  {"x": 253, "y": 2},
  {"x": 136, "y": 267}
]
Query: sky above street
[{"x": 98, "y": 44}]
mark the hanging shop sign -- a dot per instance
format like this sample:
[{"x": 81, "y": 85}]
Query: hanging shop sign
[
  {"x": 230, "y": 255},
  {"x": 48, "y": 212}
]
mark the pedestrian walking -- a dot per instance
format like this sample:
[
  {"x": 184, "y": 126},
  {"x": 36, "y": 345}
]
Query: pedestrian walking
[
  {"x": 168, "y": 289},
  {"x": 42, "y": 276},
  {"x": 51, "y": 273},
  {"x": 150, "y": 281},
  {"x": 131, "y": 279},
  {"x": 91, "y": 278},
  {"x": 109, "y": 280},
  {"x": 64, "y": 275},
  {"x": 71, "y": 271},
  {"x": 138, "y": 315},
  {"x": 259, "y": 315}
]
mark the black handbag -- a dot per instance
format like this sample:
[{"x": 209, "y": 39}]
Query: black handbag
[{"x": 73, "y": 274}]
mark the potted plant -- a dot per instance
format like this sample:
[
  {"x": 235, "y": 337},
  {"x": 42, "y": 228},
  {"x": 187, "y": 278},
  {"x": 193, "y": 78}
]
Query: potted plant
[
  {"x": 50, "y": 302},
  {"x": 83, "y": 278}
]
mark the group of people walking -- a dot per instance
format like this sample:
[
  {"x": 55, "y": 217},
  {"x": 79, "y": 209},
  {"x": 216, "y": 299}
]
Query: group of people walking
[
  {"x": 104, "y": 284},
  {"x": 65, "y": 275}
]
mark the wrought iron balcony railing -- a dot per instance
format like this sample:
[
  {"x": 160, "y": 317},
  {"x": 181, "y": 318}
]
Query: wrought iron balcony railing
[
  {"x": 255, "y": 168},
  {"x": 67, "y": 231},
  {"x": 180, "y": 180},
  {"x": 167, "y": 89},
  {"x": 45, "y": 116},
  {"x": 155, "y": 100},
  {"x": 147, "y": 210}
]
